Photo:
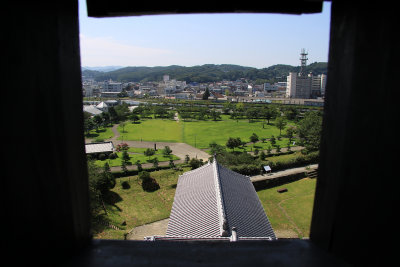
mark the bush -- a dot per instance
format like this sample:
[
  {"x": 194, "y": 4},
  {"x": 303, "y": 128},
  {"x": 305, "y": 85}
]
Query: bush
[
  {"x": 102, "y": 156},
  {"x": 150, "y": 185},
  {"x": 246, "y": 169},
  {"x": 125, "y": 185},
  {"x": 113, "y": 156}
]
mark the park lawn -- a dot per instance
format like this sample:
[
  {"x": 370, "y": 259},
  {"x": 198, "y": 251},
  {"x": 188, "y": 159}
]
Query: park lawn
[
  {"x": 297, "y": 203},
  {"x": 101, "y": 134},
  {"x": 201, "y": 133},
  {"x": 154, "y": 130},
  {"x": 137, "y": 207},
  {"x": 135, "y": 157}
]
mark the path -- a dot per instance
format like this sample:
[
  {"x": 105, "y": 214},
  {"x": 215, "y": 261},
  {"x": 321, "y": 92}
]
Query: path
[
  {"x": 287, "y": 172},
  {"x": 155, "y": 228}
]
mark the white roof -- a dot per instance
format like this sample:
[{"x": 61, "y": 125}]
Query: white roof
[
  {"x": 102, "y": 105},
  {"x": 99, "y": 147},
  {"x": 92, "y": 110}
]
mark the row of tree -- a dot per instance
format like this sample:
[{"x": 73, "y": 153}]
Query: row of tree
[{"x": 204, "y": 73}]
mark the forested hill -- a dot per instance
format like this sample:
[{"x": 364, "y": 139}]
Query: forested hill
[{"x": 204, "y": 73}]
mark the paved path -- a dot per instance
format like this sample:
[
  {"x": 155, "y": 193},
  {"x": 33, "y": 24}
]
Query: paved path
[
  {"x": 287, "y": 172},
  {"x": 155, "y": 228}
]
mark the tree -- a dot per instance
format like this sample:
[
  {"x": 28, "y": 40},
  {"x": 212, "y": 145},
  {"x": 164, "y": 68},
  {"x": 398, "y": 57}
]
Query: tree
[
  {"x": 125, "y": 156},
  {"x": 171, "y": 163},
  {"x": 206, "y": 94},
  {"x": 280, "y": 124},
  {"x": 167, "y": 151},
  {"x": 254, "y": 138},
  {"x": 195, "y": 163},
  {"x": 268, "y": 114},
  {"x": 309, "y": 130},
  {"x": 106, "y": 118},
  {"x": 100, "y": 183},
  {"x": 251, "y": 114},
  {"x": 290, "y": 133},
  {"x": 262, "y": 155},
  {"x": 134, "y": 118},
  {"x": 123, "y": 124},
  {"x": 108, "y": 179},
  {"x": 272, "y": 140},
  {"x": 139, "y": 166},
  {"x": 155, "y": 163},
  {"x": 233, "y": 142},
  {"x": 149, "y": 184},
  {"x": 215, "y": 115},
  {"x": 98, "y": 121},
  {"x": 187, "y": 159},
  {"x": 216, "y": 149},
  {"x": 149, "y": 152}
]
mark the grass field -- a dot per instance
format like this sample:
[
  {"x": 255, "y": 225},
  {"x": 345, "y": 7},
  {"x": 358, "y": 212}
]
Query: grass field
[
  {"x": 290, "y": 211},
  {"x": 137, "y": 207},
  {"x": 198, "y": 133},
  {"x": 101, "y": 134},
  {"x": 155, "y": 130}
]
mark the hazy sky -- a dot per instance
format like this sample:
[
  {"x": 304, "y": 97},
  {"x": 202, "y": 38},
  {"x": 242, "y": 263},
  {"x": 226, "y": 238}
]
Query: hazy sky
[{"x": 254, "y": 40}]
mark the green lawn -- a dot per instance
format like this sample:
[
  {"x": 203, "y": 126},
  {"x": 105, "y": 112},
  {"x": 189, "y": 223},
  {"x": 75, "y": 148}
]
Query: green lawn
[
  {"x": 292, "y": 210},
  {"x": 137, "y": 207},
  {"x": 198, "y": 133},
  {"x": 155, "y": 130},
  {"x": 101, "y": 134}
]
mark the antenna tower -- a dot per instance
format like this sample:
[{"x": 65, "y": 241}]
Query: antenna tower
[{"x": 303, "y": 61}]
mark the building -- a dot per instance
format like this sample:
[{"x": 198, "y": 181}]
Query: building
[
  {"x": 298, "y": 86},
  {"x": 110, "y": 86},
  {"x": 323, "y": 83},
  {"x": 99, "y": 148},
  {"x": 214, "y": 203},
  {"x": 270, "y": 87}
]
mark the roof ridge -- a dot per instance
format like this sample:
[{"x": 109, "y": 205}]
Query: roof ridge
[{"x": 220, "y": 200}]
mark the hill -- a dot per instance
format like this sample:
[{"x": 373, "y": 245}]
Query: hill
[{"x": 203, "y": 73}]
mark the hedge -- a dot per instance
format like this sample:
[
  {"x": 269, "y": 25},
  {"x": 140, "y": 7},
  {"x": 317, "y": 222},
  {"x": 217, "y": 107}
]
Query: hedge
[{"x": 301, "y": 160}]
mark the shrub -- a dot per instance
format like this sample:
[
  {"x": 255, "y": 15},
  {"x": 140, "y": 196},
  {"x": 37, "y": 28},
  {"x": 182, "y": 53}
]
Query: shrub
[
  {"x": 113, "y": 156},
  {"x": 102, "y": 156},
  {"x": 125, "y": 185},
  {"x": 150, "y": 185}
]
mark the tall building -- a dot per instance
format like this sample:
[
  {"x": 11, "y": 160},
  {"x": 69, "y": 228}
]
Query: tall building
[
  {"x": 298, "y": 86},
  {"x": 301, "y": 85}
]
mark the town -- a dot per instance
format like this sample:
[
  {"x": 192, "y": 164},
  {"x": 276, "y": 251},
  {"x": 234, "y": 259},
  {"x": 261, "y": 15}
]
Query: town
[{"x": 296, "y": 88}]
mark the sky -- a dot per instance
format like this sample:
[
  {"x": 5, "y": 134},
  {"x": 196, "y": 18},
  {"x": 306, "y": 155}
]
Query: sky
[{"x": 253, "y": 40}]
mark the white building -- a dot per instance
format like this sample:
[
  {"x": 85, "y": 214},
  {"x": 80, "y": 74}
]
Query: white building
[
  {"x": 323, "y": 83},
  {"x": 298, "y": 86},
  {"x": 110, "y": 86}
]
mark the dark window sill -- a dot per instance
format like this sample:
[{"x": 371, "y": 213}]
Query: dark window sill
[{"x": 166, "y": 253}]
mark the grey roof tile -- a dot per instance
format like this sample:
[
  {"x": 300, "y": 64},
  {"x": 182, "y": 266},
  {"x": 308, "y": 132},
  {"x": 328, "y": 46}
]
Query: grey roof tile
[{"x": 212, "y": 194}]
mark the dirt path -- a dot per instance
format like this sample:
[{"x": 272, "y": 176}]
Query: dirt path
[{"x": 155, "y": 228}]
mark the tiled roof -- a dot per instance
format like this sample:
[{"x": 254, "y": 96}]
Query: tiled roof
[{"x": 212, "y": 199}]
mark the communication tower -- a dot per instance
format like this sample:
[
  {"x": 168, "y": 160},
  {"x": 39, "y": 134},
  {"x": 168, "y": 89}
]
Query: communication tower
[{"x": 303, "y": 61}]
